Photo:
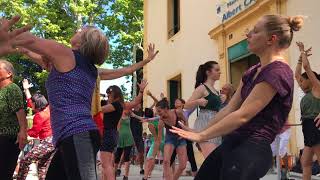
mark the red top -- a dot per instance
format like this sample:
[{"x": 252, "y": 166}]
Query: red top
[
  {"x": 29, "y": 103},
  {"x": 41, "y": 127}
]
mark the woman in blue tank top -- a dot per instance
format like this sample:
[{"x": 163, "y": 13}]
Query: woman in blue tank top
[{"x": 70, "y": 87}]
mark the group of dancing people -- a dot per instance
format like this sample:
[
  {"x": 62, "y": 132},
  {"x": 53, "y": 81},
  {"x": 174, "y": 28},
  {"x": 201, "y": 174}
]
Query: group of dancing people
[{"x": 248, "y": 121}]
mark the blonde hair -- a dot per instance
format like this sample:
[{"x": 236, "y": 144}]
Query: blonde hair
[
  {"x": 94, "y": 45},
  {"x": 231, "y": 91},
  {"x": 283, "y": 27},
  {"x": 8, "y": 67}
]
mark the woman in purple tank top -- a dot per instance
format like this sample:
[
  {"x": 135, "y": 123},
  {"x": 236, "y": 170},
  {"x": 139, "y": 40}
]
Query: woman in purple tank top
[
  {"x": 70, "y": 87},
  {"x": 258, "y": 110}
]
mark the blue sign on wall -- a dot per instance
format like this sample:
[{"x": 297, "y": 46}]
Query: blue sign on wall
[{"x": 228, "y": 9}]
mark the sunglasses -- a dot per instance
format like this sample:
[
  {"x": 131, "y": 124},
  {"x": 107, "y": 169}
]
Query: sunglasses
[{"x": 109, "y": 91}]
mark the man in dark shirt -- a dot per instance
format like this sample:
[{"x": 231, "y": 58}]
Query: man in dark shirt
[{"x": 136, "y": 129}]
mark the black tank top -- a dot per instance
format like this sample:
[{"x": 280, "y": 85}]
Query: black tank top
[{"x": 168, "y": 127}]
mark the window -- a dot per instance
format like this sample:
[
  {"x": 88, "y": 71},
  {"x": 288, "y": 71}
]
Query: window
[
  {"x": 174, "y": 89},
  {"x": 173, "y": 17}
]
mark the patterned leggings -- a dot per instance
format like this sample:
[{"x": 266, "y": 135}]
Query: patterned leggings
[{"x": 42, "y": 155}]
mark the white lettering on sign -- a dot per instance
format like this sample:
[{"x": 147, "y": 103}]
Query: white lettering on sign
[{"x": 226, "y": 9}]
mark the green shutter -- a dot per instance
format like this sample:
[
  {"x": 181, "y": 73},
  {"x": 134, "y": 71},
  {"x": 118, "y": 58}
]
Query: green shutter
[
  {"x": 173, "y": 92},
  {"x": 238, "y": 51}
]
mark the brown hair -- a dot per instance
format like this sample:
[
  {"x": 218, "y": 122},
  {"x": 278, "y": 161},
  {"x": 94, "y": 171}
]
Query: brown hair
[
  {"x": 181, "y": 100},
  {"x": 8, "y": 67},
  {"x": 163, "y": 104},
  {"x": 201, "y": 75},
  {"x": 117, "y": 93},
  {"x": 94, "y": 45},
  {"x": 283, "y": 27}
]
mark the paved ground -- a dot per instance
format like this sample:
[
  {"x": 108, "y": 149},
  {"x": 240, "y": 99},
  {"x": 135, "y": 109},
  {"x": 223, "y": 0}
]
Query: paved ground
[{"x": 134, "y": 174}]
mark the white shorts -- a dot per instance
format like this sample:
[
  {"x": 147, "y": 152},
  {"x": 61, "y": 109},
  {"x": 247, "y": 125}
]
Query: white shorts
[{"x": 283, "y": 140}]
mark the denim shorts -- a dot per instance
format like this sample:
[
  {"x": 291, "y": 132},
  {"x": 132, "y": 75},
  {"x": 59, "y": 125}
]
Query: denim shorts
[{"x": 175, "y": 140}]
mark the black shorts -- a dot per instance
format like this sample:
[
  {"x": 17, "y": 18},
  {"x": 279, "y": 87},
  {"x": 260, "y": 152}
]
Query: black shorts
[
  {"x": 110, "y": 140},
  {"x": 138, "y": 141},
  {"x": 311, "y": 133}
]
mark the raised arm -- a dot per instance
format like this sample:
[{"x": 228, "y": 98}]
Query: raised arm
[
  {"x": 196, "y": 98},
  {"x": 298, "y": 71},
  {"x": 26, "y": 85},
  {"x": 8, "y": 39},
  {"x": 109, "y": 74},
  {"x": 61, "y": 56},
  {"x": 137, "y": 100},
  {"x": 306, "y": 65},
  {"x": 37, "y": 58},
  {"x": 155, "y": 100}
]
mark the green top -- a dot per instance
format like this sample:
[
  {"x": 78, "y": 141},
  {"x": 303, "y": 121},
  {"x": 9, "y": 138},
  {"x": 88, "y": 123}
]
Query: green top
[
  {"x": 125, "y": 135},
  {"x": 214, "y": 101},
  {"x": 156, "y": 126},
  {"x": 310, "y": 106},
  {"x": 11, "y": 101}
]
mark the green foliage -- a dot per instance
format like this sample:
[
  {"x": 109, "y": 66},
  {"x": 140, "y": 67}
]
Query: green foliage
[{"x": 121, "y": 20}]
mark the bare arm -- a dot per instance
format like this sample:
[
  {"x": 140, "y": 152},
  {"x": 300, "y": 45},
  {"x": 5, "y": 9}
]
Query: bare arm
[
  {"x": 181, "y": 115},
  {"x": 232, "y": 106},
  {"x": 298, "y": 70},
  {"x": 107, "y": 108},
  {"x": 37, "y": 58},
  {"x": 155, "y": 100},
  {"x": 22, "y": 136},
  {"x": 259, "y": 98},
  {"x": 108, "y": 74},
  {"x": 196, "y": 98},
  {"x": 26, "y": 86},
  {"x": 137, "y": 100},
  {"x": 61, "y": 56},
  {"x": 306, "y": 66},
  {"x": 8, "y": 39}
]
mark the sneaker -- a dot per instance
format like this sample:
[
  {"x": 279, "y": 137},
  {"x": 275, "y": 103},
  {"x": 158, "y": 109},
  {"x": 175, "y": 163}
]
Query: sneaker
[
  {"x": 125, "y": 178},
  {"x": 142, "y": 171},
  {"x": 118, "y": 173}
]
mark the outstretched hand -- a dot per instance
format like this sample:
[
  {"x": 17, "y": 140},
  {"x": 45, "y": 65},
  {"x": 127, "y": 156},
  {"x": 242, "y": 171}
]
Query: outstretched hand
[
  {"x": 184, "y": 127},
  {"x": 151, "y": 52},
  {"x": 301, "y": 48},
  {"x": 8, "y": 39},
  {"x": 192, "y": 136},
  {"x": 26, "y": 84},
  {"x": 143, "y": 85}
]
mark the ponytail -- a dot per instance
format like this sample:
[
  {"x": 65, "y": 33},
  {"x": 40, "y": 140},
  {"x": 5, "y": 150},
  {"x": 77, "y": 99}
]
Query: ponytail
[
  {"x": 163, "y": 104},
  {"x": 201, "y": 75}
]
